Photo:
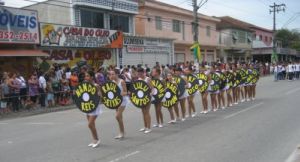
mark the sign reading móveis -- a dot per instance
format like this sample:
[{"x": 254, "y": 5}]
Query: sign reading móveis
[
  {"x": 73, "y": 36},
  {"x": 18, "y": 26},
  {"x": 86, "y": 97}
]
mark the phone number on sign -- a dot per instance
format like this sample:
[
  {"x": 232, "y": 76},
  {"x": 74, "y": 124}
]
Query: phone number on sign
[{"x": 18, "y": 36}]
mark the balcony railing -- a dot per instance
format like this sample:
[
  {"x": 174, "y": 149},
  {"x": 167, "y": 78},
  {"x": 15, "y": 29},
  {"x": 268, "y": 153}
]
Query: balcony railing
[
  {"x": 282, "y": 51},
  {"x": 127, "y": 6}
]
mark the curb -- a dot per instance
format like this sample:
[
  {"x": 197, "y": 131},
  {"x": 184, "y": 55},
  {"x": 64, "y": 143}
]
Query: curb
[{"x": 25, "y": 113}]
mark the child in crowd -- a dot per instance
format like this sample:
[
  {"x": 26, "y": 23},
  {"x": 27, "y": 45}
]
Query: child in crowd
[{"x": 50, "y": 93}]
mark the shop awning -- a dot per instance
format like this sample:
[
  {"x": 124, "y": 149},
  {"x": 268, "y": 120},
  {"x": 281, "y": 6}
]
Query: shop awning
[{"x": 22, "y": 53}]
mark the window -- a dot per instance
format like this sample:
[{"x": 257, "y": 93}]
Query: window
[
  {"x": 254, "y": 36},
  {"x": 158, "y": 23},
  {"x": 91, "y": 19},
  {"x": 260, "y": 37},
  {"x": 208, "y": 31},
  {"x": 241, "y": 36},
  {"x": 119, "y": 22},
  {"x": 271, "y": 39},
  {"x": 176, "y": 26},
  {"x": 266, "y": 39},
  {"x": 234, "y": 37}
]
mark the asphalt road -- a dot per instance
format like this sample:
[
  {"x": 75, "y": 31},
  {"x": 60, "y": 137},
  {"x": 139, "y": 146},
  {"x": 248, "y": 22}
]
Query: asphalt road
[{"x": 264, "y": 130}]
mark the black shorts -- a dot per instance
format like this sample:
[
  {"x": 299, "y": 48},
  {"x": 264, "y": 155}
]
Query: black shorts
[
  {"x": 128, "y": 86},
  {"x": 33, "y": 98},
  {"x": 23, "y": 93}
]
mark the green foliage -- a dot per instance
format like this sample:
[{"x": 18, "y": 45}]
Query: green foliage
[{"x": 289, "y": 38}]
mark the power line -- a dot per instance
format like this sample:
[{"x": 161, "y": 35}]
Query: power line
[{"x": 293, "y": 18}]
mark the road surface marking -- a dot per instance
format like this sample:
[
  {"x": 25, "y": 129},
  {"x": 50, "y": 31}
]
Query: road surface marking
[
  {"x": 292, "y": 91},
  {"x": 125, "y": 156},
  {"x": 294, "y": 157},
  {"x": 246, "y": 109},
  {"x": 41, "y": 123}
]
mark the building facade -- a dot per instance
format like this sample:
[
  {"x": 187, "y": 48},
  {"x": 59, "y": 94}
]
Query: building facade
[
  {"x": 157, "y": 19},
  {"x": 18, "y": 40},
  {"x": 263, "y": 47},
  {"x": 69, "y": 21},
  {"x": 235, "y": 40}
]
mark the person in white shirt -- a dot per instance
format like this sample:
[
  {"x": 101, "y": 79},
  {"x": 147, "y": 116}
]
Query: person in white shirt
[
  {"x": 42, "y": 89},
  {"x": 275, "y": 70},
  {"x": 23, "y": 88},
  {"x": 290, "y": 71},
  {"x": 298, "y": 70}
]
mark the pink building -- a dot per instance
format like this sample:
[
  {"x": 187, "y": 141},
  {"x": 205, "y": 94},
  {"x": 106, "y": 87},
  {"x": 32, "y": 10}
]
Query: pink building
[
  {"x": 262, "y": 37},
  {"x": 157, "y": 19}
]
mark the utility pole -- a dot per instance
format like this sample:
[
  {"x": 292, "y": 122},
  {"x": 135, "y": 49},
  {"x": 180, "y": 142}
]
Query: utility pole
[
  {"x": 196, "y": 7},
  {"x": 276, "y": 8}
]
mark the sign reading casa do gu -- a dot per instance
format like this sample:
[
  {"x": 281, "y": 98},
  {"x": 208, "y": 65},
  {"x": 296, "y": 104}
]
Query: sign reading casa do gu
[
  {"x": 73, "y": 36},
  {"x": 18, "y": 26}
]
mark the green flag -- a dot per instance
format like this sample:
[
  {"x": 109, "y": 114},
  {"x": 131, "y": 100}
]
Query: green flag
[{"x": 274, "y": 57}]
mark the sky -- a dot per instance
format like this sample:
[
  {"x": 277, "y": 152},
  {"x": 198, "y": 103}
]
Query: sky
[{"x": 256, "y": 12}]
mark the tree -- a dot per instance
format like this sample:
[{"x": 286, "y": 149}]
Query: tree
[{"x": 289, "y": 38}]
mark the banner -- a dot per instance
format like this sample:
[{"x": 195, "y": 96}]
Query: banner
[
  {"x": 181, "y": 85},
  {"x": 19, "y": 26},
  {"x": 70, "y": 57},
  {"x": 158, "y": 90},
  {"x": 193, "y": 84},
  {"x": 222, "y": 80},
  {"x": 238, "y": 79},
  {"x": 203, "y": 82},
  {"x": 86, "y": 97},
  {"x": 215, "y": 82},
  {"x": 230, "y": 78},
  {"x": 171, "y": 95},
  {"x": 111, "y": 95},
  {"x": 140, "y": 94},
  {"x": 74, "y": 36}
]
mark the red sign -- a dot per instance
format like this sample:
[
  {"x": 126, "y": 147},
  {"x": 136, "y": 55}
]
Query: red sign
[{"x": 135, "y": 49}]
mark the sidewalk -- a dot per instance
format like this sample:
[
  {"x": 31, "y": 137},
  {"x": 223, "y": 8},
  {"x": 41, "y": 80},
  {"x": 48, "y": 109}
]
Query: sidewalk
[{"x": 40, "y": 110}]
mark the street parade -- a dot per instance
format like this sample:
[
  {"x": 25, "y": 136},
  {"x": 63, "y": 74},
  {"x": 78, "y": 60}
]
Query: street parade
[{"x": 235, "y": 83}]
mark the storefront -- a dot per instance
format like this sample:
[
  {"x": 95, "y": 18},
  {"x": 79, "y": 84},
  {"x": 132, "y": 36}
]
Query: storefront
[
  {"x": 19, "y": 35},
  {"x": 68, "y": 45},
  {"x": 145, "y": 50}
]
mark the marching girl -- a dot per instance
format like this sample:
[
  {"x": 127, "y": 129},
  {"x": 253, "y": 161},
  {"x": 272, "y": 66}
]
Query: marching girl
[
  {"x": 252, "y": 87},
  {"x": 235, "y": 88},
  {"x": 229, "y": 83},
  {"x": 204, "y": 94},
  {"x": 192, "y": 110},
  {"x": 156, "y": 72},
  {"x": 91, "y": 117},
  {"x": 175, "y": 108},
  {"x": 248, "y": 83},
  {"x": 220, "y": 96},
  {"x": 114, "y": 77},
  {"x": 145, "y": 110},
  {"x": 213, "y": 93},
  {"x": 182, "y": 98},
  {"x": 241, "y": 86}
]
